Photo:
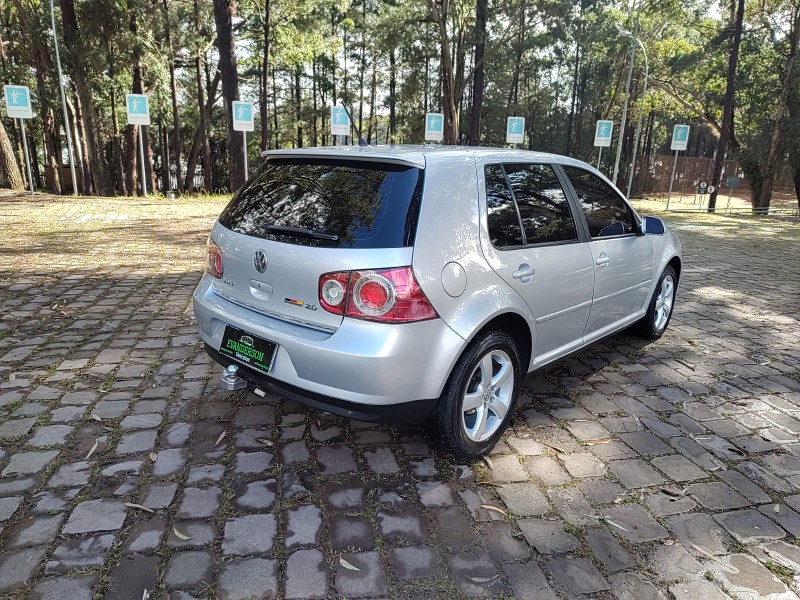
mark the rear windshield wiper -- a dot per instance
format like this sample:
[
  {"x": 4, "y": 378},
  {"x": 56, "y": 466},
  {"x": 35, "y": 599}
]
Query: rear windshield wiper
[{"x": 301, "y": 232}]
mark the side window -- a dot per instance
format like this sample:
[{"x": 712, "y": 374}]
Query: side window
[
  {"x": 504, "y": 227},
  {"x": 606, "y": 213},
  {"x": 543, "y": 207}
]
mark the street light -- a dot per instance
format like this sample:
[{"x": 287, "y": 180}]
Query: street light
[
  {"x": 63, "y": 103},
  {"x": 624, "y": 111},
  {"x": 628, "y": 34}
]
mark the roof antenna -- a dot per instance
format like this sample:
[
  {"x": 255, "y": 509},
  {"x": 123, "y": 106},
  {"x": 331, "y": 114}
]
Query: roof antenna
[{"x": 361, "y": 141}]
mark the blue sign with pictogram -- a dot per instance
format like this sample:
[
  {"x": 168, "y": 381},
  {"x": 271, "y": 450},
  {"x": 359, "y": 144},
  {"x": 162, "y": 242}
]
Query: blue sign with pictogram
[
  {"x": 243, "y": 116},
  {"x": 340, "y": 121},
  {"x": 603, "y": 132},
  {"x": 515, "y": 130},
  {"x": 138, "y": 108},
  {"x": 434, "y": 127},
  {"x": 18, "y": 102}
]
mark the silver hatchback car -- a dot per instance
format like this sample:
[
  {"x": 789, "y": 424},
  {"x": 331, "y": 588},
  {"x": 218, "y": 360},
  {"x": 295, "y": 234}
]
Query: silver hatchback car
[{"x": 403, "y": 283}]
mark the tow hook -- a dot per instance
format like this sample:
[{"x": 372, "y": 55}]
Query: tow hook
[{"x": 230, "y": 379}]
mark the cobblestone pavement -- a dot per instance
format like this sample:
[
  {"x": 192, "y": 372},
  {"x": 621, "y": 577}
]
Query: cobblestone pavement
[{"x": 632, "y": 471}]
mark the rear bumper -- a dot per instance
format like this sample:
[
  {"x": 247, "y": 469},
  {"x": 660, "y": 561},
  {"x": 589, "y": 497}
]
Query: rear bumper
[{"x": 415, "y": 411}]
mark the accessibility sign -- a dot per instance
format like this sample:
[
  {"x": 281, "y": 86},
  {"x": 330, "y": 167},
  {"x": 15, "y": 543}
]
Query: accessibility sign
[
  {"x": 340, "y": 121},
  {"x": 680, "y": 137},
  {"x": 243, "y": 116},
  {"x": 603, "y": 132},
  {"x": 18, "y": 101},
  {"x": 138, "y": 106},
  {"x": 515, "y": 130},
  {"x": 434, "y": 127}
]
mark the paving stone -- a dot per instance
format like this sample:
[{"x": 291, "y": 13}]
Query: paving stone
[
  {"x": 37, "y": 532},
  {"x": 502, "y": 543},
  {"x": 50, "y": 435},
  {"x": 199, "y": 533},
  {"x": 635, "y": 473},
  {"x": 716, "y": 496},
  {"x": 351, "y": 532},
  {"x": 381, "y": 461},
  {"x": 176, "y": 434},
  {"x": 524, "y": 499},
  {"x": 168, "y": 462},
  {"x": 194, "y": 568},
  {"x": 159, "y": 495},
  {"x": 26, "y": 463},
  {"x": 528, "y": 582},
  {"x": 423, "y": 467},
  {"x": 573, "y": 506},
  {"x": 583, "y": 464},
  {"x": 303, "y": 525},
  {"x": 110, "y": 409},
  {"x": 129, "y": 467},
  {"x": 764, "y": 478},
  {"x": 17, "y": 567},
  {"x": 780, "y": 552},
  {"x": 138, "y": 441},
  {"x": 206, "y": 474},
  {"x": 453, "y": 527},
  {"x": 251, "y": 534},
  {"x": 133, "y": 578},
  {"x": 145, "y": 535},
  {"x": 587, "y": 430},
  {"x": 67, "y": 414},
  {"x": 663, "y": 505},
  {"x": 695, "y": 453},
  {"x": 306, "y": 575},
  {"x": 634, "y": 586},
  {"x": 696, "y": 590},
  {"x": 295, "y": 453},
  {"x": 698, "y": 529},
  {"x": 8, "y": 506},
  {"x": 253, "y": 462},
  {"x": 547, "y": 536},
  {"x": 336, "y": 461},
  {"x": 198, "y": 503},
  {"x": 639, "y": 526},
  {"x": 62, "y": 588},
  {"x": 645, "y": 443},
  {"x": 15, "y": 428},
  {"x": 345, "y": 496},
  {"x": 602, "y": 491},
  {"x": 473, "y": 572},
  {"x": 673, "y": 563},
  {"x": 79, "y": 553},
  {"x": 547, "y": 470},
  {"x": 145, "y": 421},
  {"x": 404, "y": 526},
  {"x": 256, "y": 495},
  {"x": 435, "y": 493},
  {"x": 678, "y": 468},
  {"x": 96, "y": 515},
  {"x": 526, "y": 446},
  {"x": 368, "y": 581},
  {"x": 742, "y": 576},
  {"x": 750, "y": 526},
  {"x": 415, "y": 562},
  {"x": 608, "y": 551},
  {"x": 577, "y": 575}
]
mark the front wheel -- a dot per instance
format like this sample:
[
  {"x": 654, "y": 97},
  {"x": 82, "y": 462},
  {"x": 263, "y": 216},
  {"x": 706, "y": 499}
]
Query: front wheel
[
  {"x": 479, "y": 398},
  {"x": 659, "y": 313}
]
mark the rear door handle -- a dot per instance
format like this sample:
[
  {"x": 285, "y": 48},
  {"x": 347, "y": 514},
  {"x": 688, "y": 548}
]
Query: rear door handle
[
  {"x": 524, "y": 272},
  {"x": 602, "y": 260}
]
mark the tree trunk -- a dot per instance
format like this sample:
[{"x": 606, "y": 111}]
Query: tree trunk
[
  {"x": 9, "y": 169},
  {"x": 479, "y": 81},
  {"x": 372, "y": 113},
  {"x": 176, "y": 122},
  {"x": 727, "y": 133},
  {"x": 298, "y": 96},
  {"x": 392, "y": 95},
  {"x": 201, "y": 135},
  {"x": 73, "y": 42},
  {"x": 81, "y": 144},
  {"x": 449, "y": 105},
  {"x": 223, "y": 14},
  {"x": 265, "y": 80}
]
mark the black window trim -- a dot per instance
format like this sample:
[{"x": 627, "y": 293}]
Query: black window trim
[
  {"x": 579, "y": 227},
  {"x": 572, "y": 196}
]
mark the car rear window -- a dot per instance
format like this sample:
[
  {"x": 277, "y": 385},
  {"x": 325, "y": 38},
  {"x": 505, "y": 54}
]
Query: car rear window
[{"x": 329, "y": 203}]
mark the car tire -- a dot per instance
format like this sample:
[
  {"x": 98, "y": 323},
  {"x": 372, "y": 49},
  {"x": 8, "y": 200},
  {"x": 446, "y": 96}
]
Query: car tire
[
  {"x": 471, "y": 415},
  {"x": 659, "y": 312}
]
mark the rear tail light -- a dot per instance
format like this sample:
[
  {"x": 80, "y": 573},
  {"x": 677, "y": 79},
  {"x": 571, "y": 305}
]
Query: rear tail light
[
  {"x": 214, "y": 265},
  {"x": 389, "y": 295}
]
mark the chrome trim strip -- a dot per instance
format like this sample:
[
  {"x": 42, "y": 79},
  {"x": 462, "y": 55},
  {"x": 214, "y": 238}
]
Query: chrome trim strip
[
  {"x": 562, "y": 312},
  {"x": 625, "y": 291},
  {"x": 272, "y": 314}
]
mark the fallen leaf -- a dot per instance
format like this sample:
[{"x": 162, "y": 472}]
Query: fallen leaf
[
  {"x": 267, "y": 442},
  {"x": 139, "y": 506},
  {"x": 96, "y": 418},
  {"x": 96, "y": 442},
  {"x": 617, "y": 525},
  {"x": 220, "y": 438},
  {"x": 488, "y": 462},
  {"x": 484, "y": 579},
  {"x": 596, "y": 442},
  {"x": 179, "y": 535},
  {"x": 675, "y": 493},
  {"x": 153, "y": 456},
  {"x": 347, "y": 565},
  {"x": 777, "y": 508},
  {"x": 556, "y": 448},
  {"x": 12, "y": 377},
  {"x": 495, "y": 509}
]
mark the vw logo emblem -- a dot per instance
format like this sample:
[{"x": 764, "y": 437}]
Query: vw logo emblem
[{"x": 260, "y": 261}]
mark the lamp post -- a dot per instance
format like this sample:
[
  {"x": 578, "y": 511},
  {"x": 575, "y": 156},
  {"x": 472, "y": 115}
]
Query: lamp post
[
  {"x": 628, "y": 34},
  {"x": 624, "y": 114},
  {"x": 63, "y": 102}
]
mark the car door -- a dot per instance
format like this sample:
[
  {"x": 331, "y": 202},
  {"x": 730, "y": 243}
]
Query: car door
[
  {"x": 535, "y": 246},
  {"x": 623, "y": 257}
]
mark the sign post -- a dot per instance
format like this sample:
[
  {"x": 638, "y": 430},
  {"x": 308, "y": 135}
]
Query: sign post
[
  {"x": 680, "y": 141},
  {"x": 138, "y": 106},
  {"x": 243, "y": 121},
  {"x": 340, "y": 122},
  {"x": 515, "y": 130},
  {"x": 434, "y": 127},
  {"x": 18, "y": 106},
  {"x": 731, "y": 182},
  {"x": 602, "y": 137}
]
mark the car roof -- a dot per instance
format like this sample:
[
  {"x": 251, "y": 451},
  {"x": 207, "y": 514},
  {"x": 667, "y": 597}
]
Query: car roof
[{"x": 418, "y": 155}]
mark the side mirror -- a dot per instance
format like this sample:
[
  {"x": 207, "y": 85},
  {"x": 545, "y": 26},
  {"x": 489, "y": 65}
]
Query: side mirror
[{"x": 653, "y": 226}]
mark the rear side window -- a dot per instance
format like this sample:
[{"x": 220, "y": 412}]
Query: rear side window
[
  {"x": 606, "y": 213},
  {"x": 329, "y": 203},
  {"x": 504, "y": 226},
  {"x": 543, "y": 207}
]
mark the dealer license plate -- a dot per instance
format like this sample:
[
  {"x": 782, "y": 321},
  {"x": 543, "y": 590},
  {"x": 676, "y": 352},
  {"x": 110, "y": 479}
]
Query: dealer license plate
[{"x": 249, "y": 349}]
